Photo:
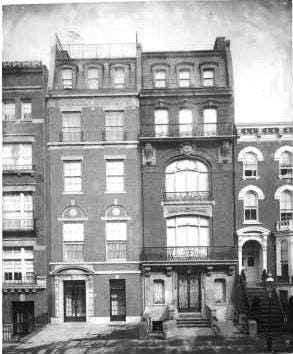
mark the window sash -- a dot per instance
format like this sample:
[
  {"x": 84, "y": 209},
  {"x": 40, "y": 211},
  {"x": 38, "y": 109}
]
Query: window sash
[
  {"x": 73, "y": 232},
  {"x": 26, "y": 110},
  {"x": 73, "y": 251},
  {"x": 67, "y": 76},
  {"x": 18, "y": 264},
  {"x": 116, "y": 231},
  {"x": 161, "y": 122},
  {"x": 115, "y": 176},
  {"x": 9, "y": 111},
  {"x": 119, "y": 78},
  {"x": 17, "y": 210},
  {"x": 208, "y": 77},
  {"x": 17, "y": 156},
  {"x": 158, "y": 292},
  {"x": 184, "y": 78},
  {"x": 93, "y": 78},
  {"x": 160, "y": 79},
  {"x": 116, "y": 250}
]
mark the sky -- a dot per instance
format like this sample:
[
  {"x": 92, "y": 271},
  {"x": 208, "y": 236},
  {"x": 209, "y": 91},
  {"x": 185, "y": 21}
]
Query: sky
[{"x": 260, "y": 32}]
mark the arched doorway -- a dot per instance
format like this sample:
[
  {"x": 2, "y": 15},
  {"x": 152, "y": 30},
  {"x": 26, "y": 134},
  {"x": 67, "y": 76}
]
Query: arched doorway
[{"x": 252, "y": 260}]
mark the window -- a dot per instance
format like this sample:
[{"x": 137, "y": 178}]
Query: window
[
  {"x": 73, "y": 241},
  {"x": 250, "y": 165},
  {"x": 71, "y": 126},
  {"x": 93, "y": 78},
  {"x": 286, "y": 165},
  {"x": 284, "y": 258},
  {"x": 286, "y": 205},
  {"x": 114, "y": 126},
  {"x": 208, "y": 77},
  {"x": 161, "y": 122},
  {"x": 160, "y": 78},
  {"x": 250, "y": 206},
  {"x": 158, "y": 291},
  {"x": 9, "y": 111},
  {"x": 220, "y": 290},
  {"x": 187, "y": 237},
  {"x": 18, "y": 264},
  {"x": 17, "y": 156},
  {"x": 210, "y": 121},
  {"x": 26, "y": 110},
  {"x": 116, "y": 238},
  {"x": 184, "y": 78},
  {"x": 17, "y": 211},
  {"x": 114, "y": 176},
  {"x": 66, "y": 75},
  {"x": 185, "y": 122},
  {"x": 119, "y": 78},
  {"x": 72, "y": 176},
  {"x": 187, "y": 179}
]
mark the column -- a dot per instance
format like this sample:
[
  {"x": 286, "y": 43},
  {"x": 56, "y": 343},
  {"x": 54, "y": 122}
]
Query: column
[
  {"x": 240, "y": 245},
  {"x": 278, "y": 257},
  {"x": 265, "y": 253},
  {"x": 290, "y": 257}
]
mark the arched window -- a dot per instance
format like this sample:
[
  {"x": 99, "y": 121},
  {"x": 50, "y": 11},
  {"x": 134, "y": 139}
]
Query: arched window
[
  {"x": 159, "y": 291},
  {"x": 160, "y": 78},
  {"x": 220, "y": 290},
  {"x": 184, "y": 78},
  {"x": 286, "y": 165},
  {"x": 185, "y": 122},
  {"x": 93, "y": 78},
  {"x": 67, "y": 78},
  {"x": 119, "y": 78},
  {"x": 187, "y": 237},
  {"x": 187, "y": 179},
  {"x": 284, "y": 258},
  {"x": 161, "y": 122},
  {"x": 250, "y": 206},
  {"x": 250, "y": 165},
  {"x": 286, "y": 205},
  {"x": 210, "y": 121}
]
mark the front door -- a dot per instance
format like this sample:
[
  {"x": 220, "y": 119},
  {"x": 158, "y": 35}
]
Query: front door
[
  {"x": 251, "y": 261},
  {"x": 23, "y": 316},
  {"x": 74, "y": 301},
  {"x": 189, "y": 293},
  {"x": 117, "y": 300}
]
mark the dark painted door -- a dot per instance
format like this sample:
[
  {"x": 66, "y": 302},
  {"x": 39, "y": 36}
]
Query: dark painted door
[
  {"x": 74, "y": 301},
  {"x": 23, "y": 316},
  {"x": 189, "y": 293},
  {"x": 117, "y": 300}
]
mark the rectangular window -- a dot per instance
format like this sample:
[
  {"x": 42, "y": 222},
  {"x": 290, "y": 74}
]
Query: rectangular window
[
  {"x": 17, "y": 156},
  {"x": 73, "y": 241},
  {"x": 114, "y": 126},
  {"x": 8, "y": 111},
  {"x": 72, "y": 176},
  {"x": 67, "y": 78},
  {"x": 18, "y": 264},
  {"x": 116, "y": 238},
  {"x": 184, "y": 78},
  {"x": 208, "y": 77},
  {"x": 161, "y": 122},
  {"x": 17, "y": 211},
  {"x": 220, "y": 290},
  {"x": 119, "y": 78},
  {"x": 250, "y": 165},
  {"x": 160, "y": 79},
  {"x": 185, "y": 122},
  {"x": 114, "y": 176},
  {"x": 26, "y": 111},
  {"x": 250, "y": 207},
  {"x": 71, "y": 126},
  {"x": 93, "y": 78},
  {"x": 210, "y": 121},
  {"x": 158, "y": 291}
]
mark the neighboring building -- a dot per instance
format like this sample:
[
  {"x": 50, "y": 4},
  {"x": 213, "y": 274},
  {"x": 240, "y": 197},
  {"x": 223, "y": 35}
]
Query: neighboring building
[
  {"x": 187, "y": 136},
  {"x": 95, "y": 191},
  {"x": 264, "y": 203},
  {"x": 24, "y": 269}
]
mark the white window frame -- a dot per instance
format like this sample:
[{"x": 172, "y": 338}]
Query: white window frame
[
  {"x": 210, "y": 121},
  {"x": 160, "y": 300},
  {"x": 251, "y": 207},
  {"x": 248, "y": 166},
  {"x": 208, "y": 80},
  {"x": 185, "y": 122},
  {"x": 218, "y": 299},
  {"x": 93, "y": 80},
  {"x": 78, "y": 241},
  {"x": 119, "y": 80},
  {"x": 286, "y": 207},
  {"x": 26, "y": 111},
  {"x": 67, "y": 82},
  {"x": 119, "y": 239},
  {"x": 71, "y": 126},
  {"x": 114, "y": 130},
  {"x": 278, "y": 157},
  {"x": 160, "y": 82},
  {"x": 111, "y": 175},
  {"x": 21, "y": 161},
  {"x": 184, "y": 81},
  {"x": 161, "y": 120},
  {"x": 24, "y": 271},
  {"x": 70, "y": 177},
  {"x": 9, "y": 111},
  {"x": 288, "y": 167}
]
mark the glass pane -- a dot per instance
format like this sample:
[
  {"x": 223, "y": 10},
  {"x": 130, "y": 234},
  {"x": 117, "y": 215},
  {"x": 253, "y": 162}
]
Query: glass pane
[
  {"x": 72, "y": 169},
  {"x": 114, "y": 168},
  {"x": 73, "y": 231},
  {"x": 116, "y": 231},
  {"x": 73, "y": 252},
  {"x": 71, "y": 119}
]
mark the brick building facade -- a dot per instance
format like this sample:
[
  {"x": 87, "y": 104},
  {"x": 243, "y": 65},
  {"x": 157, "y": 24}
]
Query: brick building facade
[{"x": 24, "y": 269}]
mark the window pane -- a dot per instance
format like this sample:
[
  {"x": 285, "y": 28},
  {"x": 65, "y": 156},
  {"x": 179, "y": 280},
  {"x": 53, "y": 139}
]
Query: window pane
[
  {"x": 220, "y": 290},
  {"x": 184, "y": 78},
  {"x": 73, "y": 252},
  {"x": 210, "y": 121},
  {"x": 93, "y": 78},
  {"x": 115, "y": 168},
  {"x": 208, "y": 77},
  {"x": 73, "y": 231},
  {"x": 72, "y": 169},
  {"x": 26, "y": 110},
  {"x": 9, "y": 111},
  {"x": 160, "y": 78},
  {"x": 116, "y": 231},
  {"x": 119, "y": 77},
  {"x": 159, "y": 292},
  {"x": 67, "y": 78}
]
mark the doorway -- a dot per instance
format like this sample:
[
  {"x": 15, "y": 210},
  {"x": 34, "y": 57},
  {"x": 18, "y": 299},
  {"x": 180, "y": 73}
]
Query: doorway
[
  {"x": 117, "y": 300},
  {"x": 251, "y": 261},
  {"x": 74, "y": 301},
  {"x": 23, "y": 317},
  {"x": 189, "y": 299}
]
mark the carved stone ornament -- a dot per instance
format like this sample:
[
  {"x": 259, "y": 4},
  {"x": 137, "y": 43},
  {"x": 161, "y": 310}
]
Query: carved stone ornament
[
  {"x": 149, "y": 155},
  {"x": 209, "y": 270},
  {"x": 147, "y": 271},
  {"x": 187, "y": 148},
  {"x": 168, "y": 271}
]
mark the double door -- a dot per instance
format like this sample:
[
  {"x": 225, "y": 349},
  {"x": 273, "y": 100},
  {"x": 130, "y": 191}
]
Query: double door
[
  {"x": 117, "y": 300},
  {"x": 189, "y": 299},
  {"x": 74, "y": 301},
  {"x": 23, "y": 317}
]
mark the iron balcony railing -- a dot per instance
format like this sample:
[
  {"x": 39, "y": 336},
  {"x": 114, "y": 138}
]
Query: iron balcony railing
[
  {"x": 189, "y": 253},
  {"x": 18, "y": 224},
  {"x": 114, "y": 134},
  {"x": 186, "y": 130},
  {"x": 16, "y": 167},
  {"x": 71, "y": 136},
  {"x": 284, "y": 225},
  {"x": 19, "y": 278},
  {"x": 116, "y": 250},
  {"x": 188, "y": 196}
]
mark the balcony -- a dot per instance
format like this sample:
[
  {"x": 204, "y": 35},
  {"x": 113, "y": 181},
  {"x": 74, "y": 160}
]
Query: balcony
[
  {"x": 18, "y": 225},
  {"x": 16, "y": 280},
  {"x": 17, "y": 168},
  {"x": 71, "y": 136},
  {"x": 284, "y": 225},
  {"x": 114, "y": 134},
  {"x": 187, "y": 196},
  {"x": 116, "y": 250},
  {"x": 189, "y": 253},
  {"x": 163, "y": 131}
]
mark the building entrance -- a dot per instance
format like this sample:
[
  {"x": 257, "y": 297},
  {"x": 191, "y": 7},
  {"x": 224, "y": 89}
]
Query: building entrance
[
  {"x": 189, "y": 293},
  {"x": 74, "y": 301},
  {"x": 251, "y": 261},
  {"x": 23, "y": 316},
  {"x": 117, "y": 300}
]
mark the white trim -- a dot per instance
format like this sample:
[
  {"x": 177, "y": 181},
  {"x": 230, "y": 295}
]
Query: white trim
[
  {"x": 247, "y": 149},
  {"x": 253, "y": 188},
  {"x": 19, "y": 188},
  {"x": 70, "y": 157},
  {"x": 68, "y": 193},
  {"x": 115, "y": 218},
  {"x": 282, "y": 149},
  {"x": 18, "y": 139},
  {"x": 72, "y": 219},
  {"x": 103, "y": 263},
  {"x": 285, "y": 187},
  {"x": 115, "y": 157},
  {"x": 118, "y": 271},
  {"x": 253, "y": 230}
]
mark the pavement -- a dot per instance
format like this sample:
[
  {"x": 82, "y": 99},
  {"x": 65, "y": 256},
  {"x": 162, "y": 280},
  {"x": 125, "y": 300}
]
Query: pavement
[{"x": 77, "y": 338}]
